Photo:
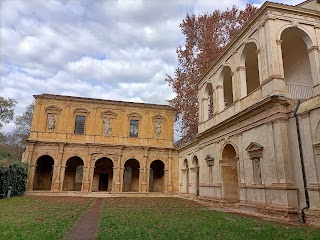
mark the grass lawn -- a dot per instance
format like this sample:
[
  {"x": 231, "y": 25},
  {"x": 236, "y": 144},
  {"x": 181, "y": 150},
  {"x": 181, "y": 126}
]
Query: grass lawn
[
  {"x": 39, "y": 217},
  {"x": 174, "y": 218}
]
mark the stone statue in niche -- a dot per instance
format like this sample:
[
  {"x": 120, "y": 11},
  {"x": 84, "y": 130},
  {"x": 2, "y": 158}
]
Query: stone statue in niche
[
  {"x": 257, "y": 170},
  {"x": 158, "y": 129},
  {"x": 107, "y": 127},
  {"x": 51, "y": 122}
]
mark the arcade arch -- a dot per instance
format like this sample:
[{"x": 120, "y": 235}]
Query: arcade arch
[
  {"x": 103, "y": 175},
  {"x": 296, "y": 62},
  {"x": 131, "y": 176},
  {"x": 229, "y": 173},
  {"x": 249, "y": 59},
  {"x": 156, "y": 178},
  {"x": 226, "y": 76},
  {"x": 73, "y": 174},
  {"x": 43, "y": 173}
]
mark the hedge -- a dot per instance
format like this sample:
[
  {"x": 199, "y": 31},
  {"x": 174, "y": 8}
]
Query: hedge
[{"x": 13, "y": 173}]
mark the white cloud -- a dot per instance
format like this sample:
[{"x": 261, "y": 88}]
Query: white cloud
[{"x": 114, "y": 49}]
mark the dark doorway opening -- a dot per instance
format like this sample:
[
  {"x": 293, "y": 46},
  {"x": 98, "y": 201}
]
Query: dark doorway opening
[{"x": 103, "y": 182}]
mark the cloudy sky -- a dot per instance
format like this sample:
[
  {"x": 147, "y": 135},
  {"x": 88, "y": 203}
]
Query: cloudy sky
[{"x": 109, "y": 49}]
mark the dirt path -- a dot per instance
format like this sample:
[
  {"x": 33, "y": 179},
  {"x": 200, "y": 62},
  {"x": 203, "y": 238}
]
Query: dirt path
[{"x": 87, "y": 225}]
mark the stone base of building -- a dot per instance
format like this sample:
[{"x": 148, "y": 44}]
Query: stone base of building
[
  {"x": 98, "y": 194},
  {"x": 272, "y": 212},
  {"x": 283, "y": 213},
  {"x": 313, "y": 217}
]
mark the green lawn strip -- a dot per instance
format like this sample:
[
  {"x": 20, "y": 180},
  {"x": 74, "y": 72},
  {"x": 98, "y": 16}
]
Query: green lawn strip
[
  {"x": 169, "y": 221},
  {"x": 39, "y": 217}
]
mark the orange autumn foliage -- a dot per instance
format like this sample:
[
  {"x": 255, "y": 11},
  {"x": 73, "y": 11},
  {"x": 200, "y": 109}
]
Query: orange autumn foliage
[{"x": 205, "y": 38}]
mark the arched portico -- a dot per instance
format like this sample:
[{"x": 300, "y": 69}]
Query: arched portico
[
  {"x": 73, "y": 174},
  {"x": 103, "y": 175},
  {"x": 229, "y": 173},
  {"x": 226, "y": 79},
  {"x": 43, "y": 173},
  {"x": 249, "y": 72},
  {"x": 157, "y": 175},
  {"x": 131, "y": 176},
  {"x": 299, "y": 63}
]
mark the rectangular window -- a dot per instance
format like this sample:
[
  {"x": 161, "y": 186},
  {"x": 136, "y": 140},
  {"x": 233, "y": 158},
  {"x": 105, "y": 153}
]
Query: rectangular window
[
  {"x": 134, "y": 126},
  {"x": 79, "y": 126}
]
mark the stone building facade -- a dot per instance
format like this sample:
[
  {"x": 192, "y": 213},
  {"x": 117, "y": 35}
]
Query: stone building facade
[
  {"x": 259, "y": 126},
  {"x": 91, "y": 145}
]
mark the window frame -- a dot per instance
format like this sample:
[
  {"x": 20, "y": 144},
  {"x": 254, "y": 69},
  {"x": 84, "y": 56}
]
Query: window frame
[
  {"x": 134, "y": 117},
  {"x": 79, "y": 121}
]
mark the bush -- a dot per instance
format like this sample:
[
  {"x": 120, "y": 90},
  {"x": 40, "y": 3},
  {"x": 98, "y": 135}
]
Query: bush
[{"x": 12, "y": 174}]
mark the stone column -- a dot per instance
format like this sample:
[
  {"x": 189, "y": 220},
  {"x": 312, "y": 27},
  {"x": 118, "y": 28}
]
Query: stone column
[
  {"x": 314, "y": 65},
  {"x": 85, "y": 178},
  {"x": 165, "y": 180},
  {"x": 243, "y": 81},
  {"x": 200, "y": 100},
  {"x": 169, "y": 183},
  {"x": 118, "y": 176},
  {"x": 272, "y": 48},
  {"x": 264, "y": 71},
  {"x": 91, "y": 173},
  {"x": 280, "y": 60},
  {"x": 62, "y": 175},
  {"x": 31, "y": 175},
  {"x": 57, "y": 178},
  {"x": 220, "y": 98},
  {"x": 258, "y": 52},
  {"x": 270, "y": 157},
  {"x": 144, "y": 172},
  {"x": 121, "y": 179},
  {"x": 183, "y": 181},
  {"x": 282, "y": 156},
  {"x": 308, "y": 153},
  {"x": 234, "y": 89},
  {"x": 141, "y": 179},
  {"x": 55, "y": 185}
]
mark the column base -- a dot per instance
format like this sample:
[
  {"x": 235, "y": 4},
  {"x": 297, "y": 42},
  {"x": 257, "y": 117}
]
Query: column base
[
  {"x": 85, "y": 187},
  {"x": 56, "y": 186}
]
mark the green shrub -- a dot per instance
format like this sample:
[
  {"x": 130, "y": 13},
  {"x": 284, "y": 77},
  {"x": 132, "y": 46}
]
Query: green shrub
[{"x": 12, "y": 174}]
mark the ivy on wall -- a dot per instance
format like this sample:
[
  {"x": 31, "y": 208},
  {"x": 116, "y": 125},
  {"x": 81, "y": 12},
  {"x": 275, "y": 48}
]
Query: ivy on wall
[{"x": 13, "y": 174}]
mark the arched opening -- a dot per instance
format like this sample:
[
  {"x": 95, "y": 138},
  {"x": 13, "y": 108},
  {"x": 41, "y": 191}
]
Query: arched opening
[
  {"x": 103, "y": 175},
  {"x": 250, "y": 58},
  {"x": 43, "y": 173},
  {"x": 208, "y": 100},
  {"x": 73, "y": 174},
  {"x": 186, "y": 167},
  {"x": 131, "y": 176},
  {"x": 229, "y": 172},
  {"x": 196, "y": 174},
  {"x": 156, "y": 179},
  {"x": 296, "y": 63},
  {"x": 227, "y": 86}
]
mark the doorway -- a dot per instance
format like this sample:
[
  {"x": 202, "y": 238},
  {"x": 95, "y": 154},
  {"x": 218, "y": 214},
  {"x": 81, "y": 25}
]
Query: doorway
[{"x": 103, "y": 182}]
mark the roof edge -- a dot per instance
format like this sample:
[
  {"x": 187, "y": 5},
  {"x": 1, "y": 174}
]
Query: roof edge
[{"x": 101, "y": 101}]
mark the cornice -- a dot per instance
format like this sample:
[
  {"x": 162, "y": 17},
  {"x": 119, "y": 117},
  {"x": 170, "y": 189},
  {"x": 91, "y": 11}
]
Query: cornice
[
  {"x": 101, "y": 101},
  {"x": 254, "y": 109},
  {"x": 121, "y": 147}
]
